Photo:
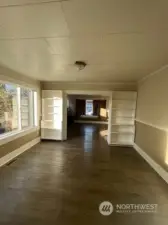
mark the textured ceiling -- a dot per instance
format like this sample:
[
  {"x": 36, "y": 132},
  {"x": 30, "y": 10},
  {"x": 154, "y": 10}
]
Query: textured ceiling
[{"x": 121, "y": 40}]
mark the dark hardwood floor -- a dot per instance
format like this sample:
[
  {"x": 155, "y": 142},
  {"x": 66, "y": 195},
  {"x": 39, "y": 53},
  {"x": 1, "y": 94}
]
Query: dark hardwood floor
[{"x": 64, "y": 182}]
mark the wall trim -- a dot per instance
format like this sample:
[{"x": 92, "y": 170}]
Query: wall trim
[
  {"x": 7, "y": 158},
  {"x": 162, "y": 172},
  {"x": 151, "y": 125},
  {"x": 8, "y": 137},
  {"x": 28, "y": 83},
  {"x": 90, "y": 83},
  {"x": 87, "y": 92},
  {"x": 90, "y": 121}
]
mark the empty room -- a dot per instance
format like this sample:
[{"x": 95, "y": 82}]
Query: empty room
[{"x": 83, "y": 112}]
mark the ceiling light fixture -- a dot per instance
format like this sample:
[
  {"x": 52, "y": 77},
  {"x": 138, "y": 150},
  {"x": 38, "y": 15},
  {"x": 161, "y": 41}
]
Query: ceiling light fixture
[{"x": 80, "y": 65}]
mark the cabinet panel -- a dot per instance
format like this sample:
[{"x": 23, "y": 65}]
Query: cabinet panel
[
  {"x": 52, "y": 115},
  {"x": 123, "y": 117},
  {"x": 122, "y": 139}
]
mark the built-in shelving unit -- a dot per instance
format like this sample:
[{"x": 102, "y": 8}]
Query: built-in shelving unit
[
  {"x": 52, "y": 115},
  {"x": 123, "y": 116},
  {"x": 25, "y": 112}
]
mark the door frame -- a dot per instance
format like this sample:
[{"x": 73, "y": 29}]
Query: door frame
[{"x": 107, "y": 94}]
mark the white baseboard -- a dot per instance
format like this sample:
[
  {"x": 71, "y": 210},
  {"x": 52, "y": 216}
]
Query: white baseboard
[
  {"x": 91, "y": 122},
  {"x": 162, "y": 172},
  {"x": 7, "y": 158}
]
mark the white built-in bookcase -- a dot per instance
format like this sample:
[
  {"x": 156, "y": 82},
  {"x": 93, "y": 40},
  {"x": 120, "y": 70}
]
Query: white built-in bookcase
[
  {"x": 121, "y": 127},
  {"x": 123, "y": 117},
  {"x": 52, "y": 115}
]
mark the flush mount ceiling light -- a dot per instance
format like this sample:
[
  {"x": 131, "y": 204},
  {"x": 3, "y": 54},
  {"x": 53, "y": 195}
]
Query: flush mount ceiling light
[{"x": 80, "y": 65}]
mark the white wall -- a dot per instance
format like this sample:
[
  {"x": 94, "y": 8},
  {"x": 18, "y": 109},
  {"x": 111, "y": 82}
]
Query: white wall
[
  {"x": 152, "y": 117},
  {"x": 152, "y": 103},
  {"x": 89, "y": 86}
]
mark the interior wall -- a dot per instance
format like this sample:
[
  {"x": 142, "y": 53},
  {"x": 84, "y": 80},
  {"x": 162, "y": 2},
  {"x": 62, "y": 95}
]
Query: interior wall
[
  {"x": 72, "y": 104},
  {"x": 17, "y": 143},
  {"x": 89, "y": 86},
  {"x": 8, "y": 75},
  {"x": 77, "y": 106},
  {"x": 72, "y": 101},
  {"x": 152, "y": 117}
]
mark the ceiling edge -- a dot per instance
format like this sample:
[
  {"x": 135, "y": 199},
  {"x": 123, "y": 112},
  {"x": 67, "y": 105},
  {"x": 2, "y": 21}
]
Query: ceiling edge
[
  {"x": 152, "y": 74},
  {"x": 90, "y": 83}
]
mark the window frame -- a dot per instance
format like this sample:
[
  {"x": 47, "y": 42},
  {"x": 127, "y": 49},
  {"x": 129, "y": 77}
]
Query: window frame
[
  {"x": 87, "y": 101},
  {"x": 30, "y": 106},
  {"x": 11, "y": 135}
]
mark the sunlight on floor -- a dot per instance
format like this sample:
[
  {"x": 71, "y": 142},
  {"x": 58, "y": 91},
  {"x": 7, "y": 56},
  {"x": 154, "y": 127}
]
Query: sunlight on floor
[{"x": 104, "y": 134}]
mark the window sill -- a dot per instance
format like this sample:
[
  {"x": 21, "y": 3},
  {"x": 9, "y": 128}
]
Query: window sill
[{"x": 16, "y": 134}]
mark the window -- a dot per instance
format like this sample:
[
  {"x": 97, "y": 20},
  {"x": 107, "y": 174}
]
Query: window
[
  {"x": 89, "y": 107},
  {"x": 8, "y": 108},
  {"x": 18, "y": 108},
  {"x": 25, "y": 103}
]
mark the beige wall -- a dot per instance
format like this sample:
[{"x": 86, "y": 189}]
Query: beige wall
[
  {"x": 152, "y": 117},
  {"x": 11, "y": 76},
  {"x": 17, "y": 143},
  {"x": 8, "y": 75},
  {"x": 88, "y": 86}
]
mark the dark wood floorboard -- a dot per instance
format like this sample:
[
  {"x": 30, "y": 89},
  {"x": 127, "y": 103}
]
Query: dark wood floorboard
[{"x": 64, "y": 182}]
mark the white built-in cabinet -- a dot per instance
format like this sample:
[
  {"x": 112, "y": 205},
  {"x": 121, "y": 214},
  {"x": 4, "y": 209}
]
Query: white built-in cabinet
[
  {"x": 121, "y": 126},
  {"x": 52, "y": 125},
  {"x": 123, "y": 108}
]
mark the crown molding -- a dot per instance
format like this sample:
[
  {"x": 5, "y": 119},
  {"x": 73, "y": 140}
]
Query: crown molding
[
  {"x": 7, "y": 5},
  {"x": 90, "y": 83},
  {"x": 152, "y": 74}
]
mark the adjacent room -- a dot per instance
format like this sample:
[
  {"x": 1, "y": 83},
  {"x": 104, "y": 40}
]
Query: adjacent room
[
  {"x": 83, "y": 112},
  {"x": 88, "y": 109}
]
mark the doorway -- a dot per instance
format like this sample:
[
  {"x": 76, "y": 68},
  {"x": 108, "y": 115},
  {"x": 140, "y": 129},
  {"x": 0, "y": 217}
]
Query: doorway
[{"x": 91, "y": 108}]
